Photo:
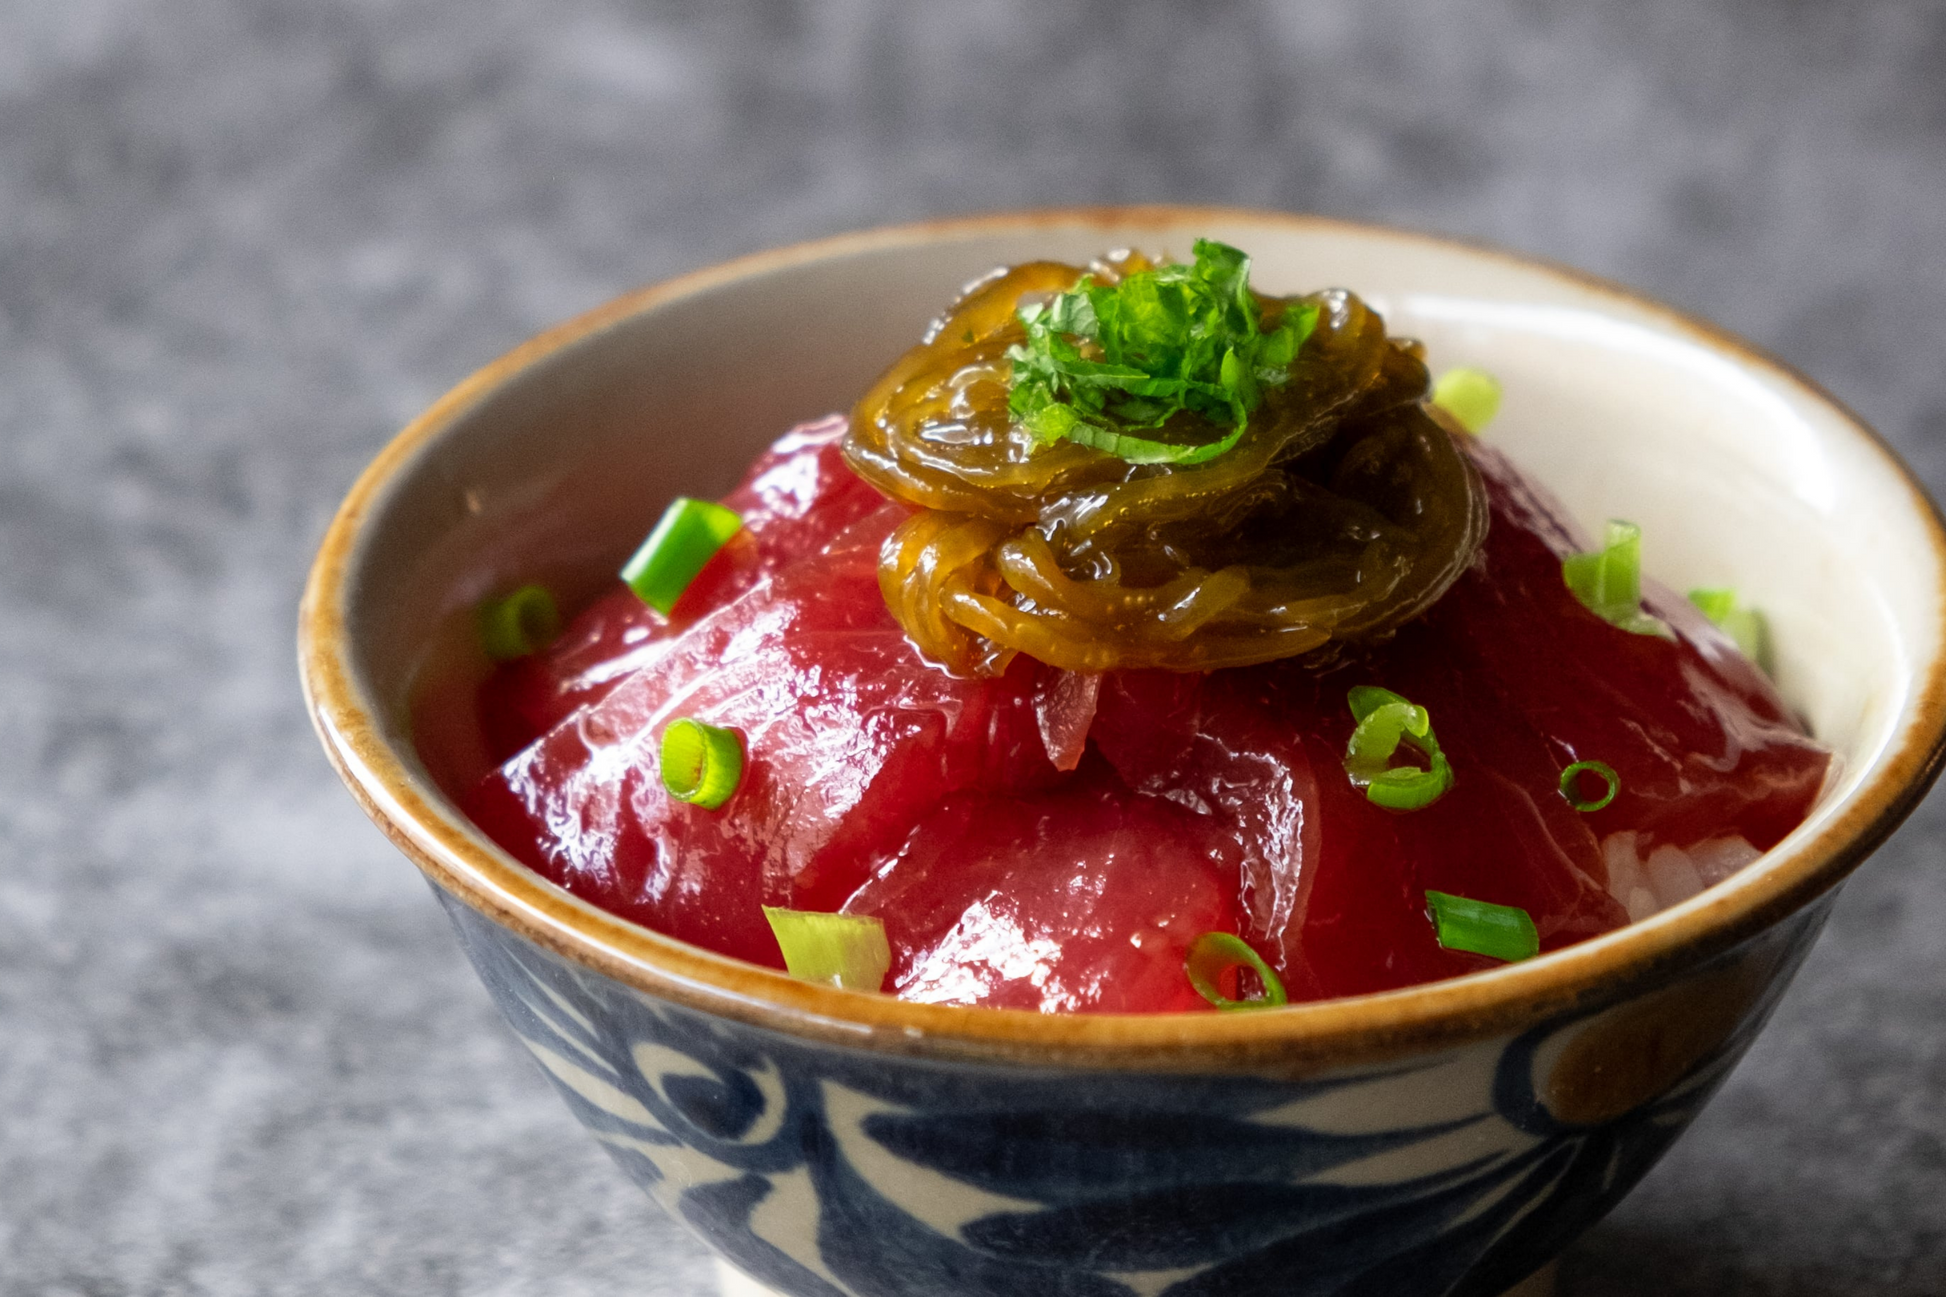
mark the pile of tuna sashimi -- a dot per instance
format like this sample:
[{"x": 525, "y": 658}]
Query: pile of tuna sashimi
[{"x": 1139, "y": 643}]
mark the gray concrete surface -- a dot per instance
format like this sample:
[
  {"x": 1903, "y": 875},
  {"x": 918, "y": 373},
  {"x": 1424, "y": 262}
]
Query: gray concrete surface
[{"x": 241, "y": 241}]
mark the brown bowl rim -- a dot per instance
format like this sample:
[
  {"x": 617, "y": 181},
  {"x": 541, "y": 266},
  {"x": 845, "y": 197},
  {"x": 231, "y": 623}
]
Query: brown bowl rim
[{"x": 1306, "y": 1037}]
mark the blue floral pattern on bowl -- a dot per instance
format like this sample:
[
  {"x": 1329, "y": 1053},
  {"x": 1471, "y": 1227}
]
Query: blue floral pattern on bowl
[{"x": 826, "y": 1171}]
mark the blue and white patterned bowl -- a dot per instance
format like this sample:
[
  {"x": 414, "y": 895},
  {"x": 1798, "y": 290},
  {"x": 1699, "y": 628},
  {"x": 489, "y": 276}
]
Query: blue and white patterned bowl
[{"x": 1447, "y": 1139}]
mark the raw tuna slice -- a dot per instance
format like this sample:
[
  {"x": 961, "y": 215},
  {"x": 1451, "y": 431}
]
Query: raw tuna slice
[
  {"x": 1520, "y": 681},
  {"x": 1081, "y": 900},
  {"x": 795, "y": 499},
  {"x": 1055, "y": 842},
  {"x": 1703, "y": 743},
  {"x": 851, "y": 737}
]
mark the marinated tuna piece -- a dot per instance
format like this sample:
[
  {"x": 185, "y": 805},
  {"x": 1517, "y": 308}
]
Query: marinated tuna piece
[
  {"x": 795, "y": 498},
  {"x": 1520, "y": 681},
  {"x": 880, "y": 783},
  {"x": 851, "y": 737},
  {"x": 1080, "y": 900}
]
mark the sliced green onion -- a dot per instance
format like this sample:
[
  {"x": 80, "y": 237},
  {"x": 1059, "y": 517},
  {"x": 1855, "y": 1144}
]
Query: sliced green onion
[
  {"x": 687, "y": 537},
  {"x": 1386, "y": 720},
  {"x": 1745, "y": 626},
  {"x": 1714, "y": 604},
  {"x": 701, "y": 764},
  {"x": 1471, "y": 396},
  {"x": 519, "y": 624},
  {"x": 1216, "y": 953},
  {"x": 1608, "y": 582},
  {"x": 1482, "y": 928},
  {"x": 1751, "y": 634},
  {"x": 847, "y": 950},
  {"x": 1571, "y": 784}
]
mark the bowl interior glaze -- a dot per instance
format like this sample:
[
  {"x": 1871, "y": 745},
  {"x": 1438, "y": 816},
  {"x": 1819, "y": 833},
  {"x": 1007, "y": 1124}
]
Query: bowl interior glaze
[{"x": 552, "y": 463}]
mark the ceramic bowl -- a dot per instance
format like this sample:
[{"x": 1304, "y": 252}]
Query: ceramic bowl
[{"x": 1446, "y": 1139}]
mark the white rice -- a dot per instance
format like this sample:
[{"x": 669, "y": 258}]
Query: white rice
[{"x": 1670, "y": 875}]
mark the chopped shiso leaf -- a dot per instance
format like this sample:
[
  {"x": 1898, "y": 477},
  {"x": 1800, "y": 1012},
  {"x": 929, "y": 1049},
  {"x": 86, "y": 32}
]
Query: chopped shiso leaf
[
  {"x": 1471, "y": 396},
  {"x": 1571, "y": 784},
  {"x": 687, "y": 537},
  {"x": 1608, "y": 582},
  {"x": 1482, "y": 928},
  {"x": 519, "y": 624},
  {"x": 1105, "y": 362},
  {"x": 846, "y": 950},
  {"x": 701, "y": 764},
  {"x": 1744, "y": 625},
  {"x": 1216, "y": 953},
  {"x": 1386, "y": 720}
]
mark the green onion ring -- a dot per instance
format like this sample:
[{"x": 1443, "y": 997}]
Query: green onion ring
[
  {"x": 701, "y": 764},
  {"x": 1504, "y": 932},
  {"x": 1386, "y": 720},
  {"x": 1472, "y": 396},
  {"x": 1571, "y": 784},
  {"x": 685, "y": 539},
  {"x": 1608, "y": 581},
  {"x": 1745, "y": 626},
  {"x": 846, "y": 950},
  {"x": 519, "y": 624},
  {"x": 1215, "y": 953}
]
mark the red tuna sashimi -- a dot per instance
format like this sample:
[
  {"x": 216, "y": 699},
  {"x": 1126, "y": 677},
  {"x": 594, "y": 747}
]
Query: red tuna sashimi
[
  {"x": 1703, "y": 743},
  {"x": 1335, "y": 886},
  {"x": 1081, "y": 900},
  {"x": 1520, "y": 681},
  {"x": 794, "y": 500},
  {"x": 851, "y": 737},
  {"x": 858, "y": 749}
]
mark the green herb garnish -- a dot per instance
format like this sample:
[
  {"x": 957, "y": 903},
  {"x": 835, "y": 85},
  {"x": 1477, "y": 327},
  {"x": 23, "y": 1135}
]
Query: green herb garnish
[
  {"x": 519, "y": 624},
  {"x": 1386, "y": 720},
  {"x": 701, "y": 764},
  {"x": 685, "y": 539},
  {"x": 1104, "y": 362},
  {"x": 1216, "y": 953},
  {"x": 847, "y": 950},
  {"x": 1571, "y": 784},
  {"x": 1482, "y": 928},
  {"x": 1608, "y": 582},
  {"x": 1746, "y": 626},
  {"x": 1471, "y": 396}
]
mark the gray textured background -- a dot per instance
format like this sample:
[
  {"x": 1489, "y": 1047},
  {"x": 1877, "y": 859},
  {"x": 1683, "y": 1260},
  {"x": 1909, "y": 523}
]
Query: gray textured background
[{"x": 242, "y": 241}]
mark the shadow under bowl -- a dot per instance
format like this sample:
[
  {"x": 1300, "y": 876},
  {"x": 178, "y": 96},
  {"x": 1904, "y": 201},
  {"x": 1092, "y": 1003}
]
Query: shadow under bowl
[{"x": 1447, "y": 1138}]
